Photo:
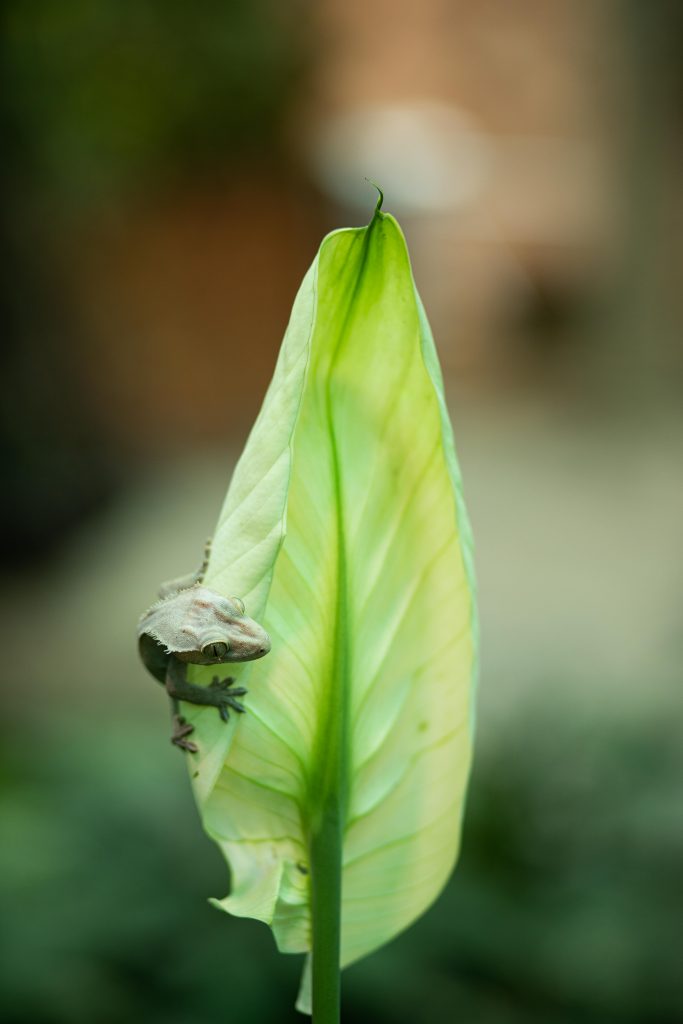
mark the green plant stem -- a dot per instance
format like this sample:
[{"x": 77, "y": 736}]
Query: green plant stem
[
  {"x": 326, "y": 862},
  {"x": 329, "y": 793}
]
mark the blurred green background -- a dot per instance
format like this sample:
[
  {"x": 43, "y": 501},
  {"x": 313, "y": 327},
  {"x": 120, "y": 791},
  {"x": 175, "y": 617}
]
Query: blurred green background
[{"x": 168, "y": 173}]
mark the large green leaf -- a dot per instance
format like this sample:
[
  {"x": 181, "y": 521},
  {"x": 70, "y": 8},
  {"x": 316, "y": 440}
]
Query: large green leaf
[{"x": 345, "y": 532}]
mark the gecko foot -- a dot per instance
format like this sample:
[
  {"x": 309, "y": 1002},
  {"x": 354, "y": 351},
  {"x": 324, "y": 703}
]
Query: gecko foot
[
  {"x": 182, "y": 729},
  {"x": 226, "y": 695}
]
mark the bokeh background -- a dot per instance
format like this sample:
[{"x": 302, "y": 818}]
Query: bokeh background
[{"x": 168, "y": 172}]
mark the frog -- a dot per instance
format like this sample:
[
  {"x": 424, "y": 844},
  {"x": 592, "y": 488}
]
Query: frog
[{"x": 191, "y": 624}]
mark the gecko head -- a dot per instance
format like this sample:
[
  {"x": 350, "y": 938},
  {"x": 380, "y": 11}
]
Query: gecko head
[
  {"x": 202, "y": 627},
  {"x": 231, "y": 635}
]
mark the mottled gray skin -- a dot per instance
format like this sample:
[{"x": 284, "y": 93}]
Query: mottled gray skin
[{"x": 194, "y": 625}]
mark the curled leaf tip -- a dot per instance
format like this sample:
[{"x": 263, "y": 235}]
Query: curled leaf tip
[{"x": 380, "y": 196}]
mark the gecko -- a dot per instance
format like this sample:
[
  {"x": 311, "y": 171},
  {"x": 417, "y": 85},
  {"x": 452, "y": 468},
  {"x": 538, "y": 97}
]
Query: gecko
[{"x": 191, "y": 624}]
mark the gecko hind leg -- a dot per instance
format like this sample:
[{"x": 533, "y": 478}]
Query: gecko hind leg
[
  {"x": 181, "y": 730},
  {"x": 201, "y": 571}
]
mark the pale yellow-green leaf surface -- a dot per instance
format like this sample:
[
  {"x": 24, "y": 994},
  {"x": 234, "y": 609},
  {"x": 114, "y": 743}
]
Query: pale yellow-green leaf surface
[{"x": 345, "y": 533}]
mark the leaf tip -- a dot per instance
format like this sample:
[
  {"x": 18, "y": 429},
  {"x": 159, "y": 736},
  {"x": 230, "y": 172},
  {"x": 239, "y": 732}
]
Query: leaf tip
[{"x": 380, "y": 196}]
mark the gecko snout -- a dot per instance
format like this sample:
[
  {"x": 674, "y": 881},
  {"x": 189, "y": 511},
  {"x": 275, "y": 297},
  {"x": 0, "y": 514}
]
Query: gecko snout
[{"x": 264, "y": 646}]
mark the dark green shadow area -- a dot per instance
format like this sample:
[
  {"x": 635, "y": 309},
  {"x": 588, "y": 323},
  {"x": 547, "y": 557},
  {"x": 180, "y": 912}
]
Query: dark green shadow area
[
  {"x": 105, "y": 877},
  {"x": 563, "y": 908}
]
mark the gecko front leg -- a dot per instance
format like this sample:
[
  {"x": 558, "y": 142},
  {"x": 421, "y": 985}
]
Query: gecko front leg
[{"x": 220, "y": 694}]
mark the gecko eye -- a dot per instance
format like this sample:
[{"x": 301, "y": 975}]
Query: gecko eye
[
  {"x": 239, "y": 603},
  {"x": 215, "y": 650}
]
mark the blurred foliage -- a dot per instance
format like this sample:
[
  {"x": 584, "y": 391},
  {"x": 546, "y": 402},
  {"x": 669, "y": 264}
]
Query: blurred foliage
[
  {"x": 55, "y": 462},
  {"x": 562, "y": 908},
  {"x": 99, "y": 99},
  {"x": 107, "y": 94}
]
